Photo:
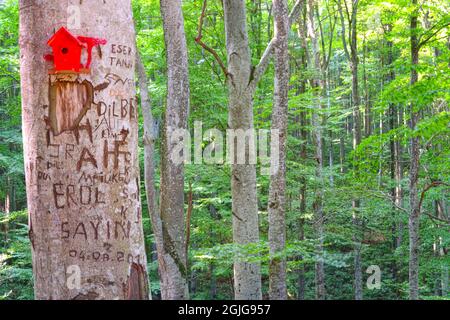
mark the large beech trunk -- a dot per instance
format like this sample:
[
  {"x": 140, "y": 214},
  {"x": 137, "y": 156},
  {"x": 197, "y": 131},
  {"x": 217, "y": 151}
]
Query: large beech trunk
[
  {"x": 81, "y": 160},
  {"x": 247, "y": 276}
]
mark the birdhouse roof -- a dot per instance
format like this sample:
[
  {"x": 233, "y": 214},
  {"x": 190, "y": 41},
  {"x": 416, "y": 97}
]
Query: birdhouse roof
[{"x": 61, "y": 34}]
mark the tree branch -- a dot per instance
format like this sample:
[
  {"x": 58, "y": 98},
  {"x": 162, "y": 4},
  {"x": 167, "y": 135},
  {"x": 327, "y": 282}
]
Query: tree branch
[
  {"x": 326, "y": 57},
  {"x": 9, "y": 76},
  {"x": 344, "y": 41},
  {"x": 428, "y": 187},
  {"x": 260, "y": 69},
  {"x": 430, "y": 36},
  {"x": 199, "y": 41},
  {"x": 391, "y": 199}
]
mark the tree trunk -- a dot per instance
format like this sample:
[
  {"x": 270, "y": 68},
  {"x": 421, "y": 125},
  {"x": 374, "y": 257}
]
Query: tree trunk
[
  {"x": 395, "y": 161},
  {"x": 399, "y": 177},
  {"x": 367, "y": 111},
  {"x": 173, "y": 259},
  {"x": 414, "y": 170},
  {"x": 440, "y": 245},
  {"x": 81, "y": 160},
  {"x": 330, "y": 134},
  {"x": 318, "y": 86},
  {"x": 301, "y": 281},
  {"x": 212, "y": 283},
  {"x": 150, "y": 135},
  {"x": 277, "y": 188},
  {"x": 7, "y": 207},
  {"x": 356, "y": 141},
  {"x": 247, "y": 276}
]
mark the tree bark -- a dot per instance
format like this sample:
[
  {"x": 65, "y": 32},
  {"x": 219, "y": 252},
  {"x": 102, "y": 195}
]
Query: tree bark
[
  {"x": 242, "y": 79},
  {"x": 150, "y": 135},
  {"x": 81, "y": 160},
  {"x": 399, "y": 177},
  {"x": 247, "y": 276},
  {"x": 277, "y": 187},
  {"x": 443, "y": 281},
  {"x": 317, "y": 85},
  {"x": 173, "y": 259},
  {"x": 414, "y": 168},
  {"x": 7, "y": 207},
  {"x": 352, "y": 57},
  {"x": 367, "y": 111},
  {"x": 301, "y": 281}
]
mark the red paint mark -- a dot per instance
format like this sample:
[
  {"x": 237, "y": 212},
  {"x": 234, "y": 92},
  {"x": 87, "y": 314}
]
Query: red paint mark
[{"x": 90, "y": 43}]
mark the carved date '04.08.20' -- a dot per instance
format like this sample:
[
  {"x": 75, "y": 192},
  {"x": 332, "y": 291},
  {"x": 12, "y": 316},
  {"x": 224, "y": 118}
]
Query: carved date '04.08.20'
[{"x": 98, "y": 256}]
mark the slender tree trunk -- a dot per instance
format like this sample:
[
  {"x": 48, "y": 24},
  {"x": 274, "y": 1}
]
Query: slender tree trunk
[
  {"x": 212, "y": 283},
  {"x": 318, "y": 86},
  {"x": 393, "y": 172},
  {"x": 150, "y": 135},
  {"x": 352, "y": 57},
  {"x": 301, "y": 281},
  {"x": 173, "y": 259},
  {"x": 242, "y": 79},
  {"x": 367, "y": 111},
  {"x": 395, "y": 161},
  {"x": 414, "y": 169},
  {"x": 330, "y": 134},
  {"x": 399, "y": 177},
  {"x": 7, "y": 207},
  {"x": 277, "y": 188},
  {"x": 356, "y": 141},
  {"x": 85, "y": 223},
  {"x": 442, "y": 213},
  {"x": 396, "y": 148},
  {"x": 342, "y": 152}
]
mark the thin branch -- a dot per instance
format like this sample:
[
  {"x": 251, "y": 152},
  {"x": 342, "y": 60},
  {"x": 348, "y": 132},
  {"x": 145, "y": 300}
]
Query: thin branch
[
  {"x": 430, "y": 36},
  {"x": 326, "y": 57},
  {"x": 260, "y": 69},
  {"x": 344, "y": 41},
  {"x": 199, "y": 41},
  {"x": 436, "y": 218},
  {"x": 391, "y": 199},
  {"x": 428, "y": 187},
  {"x": 9, "y": 76}
]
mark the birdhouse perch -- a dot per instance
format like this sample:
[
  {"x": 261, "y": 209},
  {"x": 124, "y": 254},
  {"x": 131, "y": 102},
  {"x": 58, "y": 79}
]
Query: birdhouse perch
[{"x": 67, "y": 50}]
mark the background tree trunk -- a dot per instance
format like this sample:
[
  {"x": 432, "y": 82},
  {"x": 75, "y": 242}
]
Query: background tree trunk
[
  {"x": 277, "y": 188},
  {"x": 7, "y": 207},
  {"x": 150, "y": 135},
  {"x": 301, "y": 283},
  {"x": 317, "y": 85},
  {"x": 414, "y": 168},
  {"x": 81, "y": 161},
  {"x": 173, "y": 259},
  {"x": 352, "y": 57}
]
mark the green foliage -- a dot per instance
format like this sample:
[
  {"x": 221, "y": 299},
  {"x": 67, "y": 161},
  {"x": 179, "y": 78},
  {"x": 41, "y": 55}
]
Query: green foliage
[
  {"x": 364, "y": 173},
  {"x": 16, "y": 277}
]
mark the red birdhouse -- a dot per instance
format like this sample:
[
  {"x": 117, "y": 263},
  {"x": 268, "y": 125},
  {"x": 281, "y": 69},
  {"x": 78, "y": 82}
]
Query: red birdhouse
[{"x": 67, "y": 50}]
